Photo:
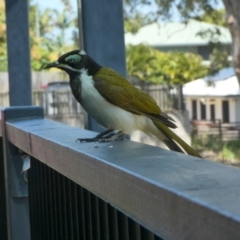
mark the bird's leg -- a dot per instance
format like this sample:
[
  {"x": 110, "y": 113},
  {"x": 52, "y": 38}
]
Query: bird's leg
[
  {"x": 113, "y": 137},
  {"x": 97, "y": 138},
  {"x": 106, "y": 136}
]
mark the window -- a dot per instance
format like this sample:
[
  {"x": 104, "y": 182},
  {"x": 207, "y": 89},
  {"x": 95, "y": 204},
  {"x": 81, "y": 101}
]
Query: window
[
  {"x": 225, "y": 111},
  {"x": 194, "y": 109},
  {"x": 212, "y": 112},
  {"x": 203, "y": 111}
]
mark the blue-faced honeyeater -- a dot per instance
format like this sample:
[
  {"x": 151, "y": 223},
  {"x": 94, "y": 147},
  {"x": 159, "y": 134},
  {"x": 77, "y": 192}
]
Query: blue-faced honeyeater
[{"x": 115, "y": 103}]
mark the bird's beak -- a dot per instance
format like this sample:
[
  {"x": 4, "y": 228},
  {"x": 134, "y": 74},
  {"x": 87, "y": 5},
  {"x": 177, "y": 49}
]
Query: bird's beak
[{"x": 55, "y": 64}]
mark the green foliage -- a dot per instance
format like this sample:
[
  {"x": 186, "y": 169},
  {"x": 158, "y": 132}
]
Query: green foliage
[
  {"x": 151, "y": 65},
  {"x": 227, "y": 151},
  {"x": 135, "y": 18},
  {"x": 138, "y": 13},
  {"x": 206, "y": 142},
  {"x": 215, "y": 16},
  {"x": 218, "y": 60},
  {"x": 133, "y": 23},
  {"x": 45, "y": 44},
  {"x": 3, "y": 45},
  {"x": 154, "y": 10},
  {"x": 231, "y": 150},
  {"x": 47, "y": 34}
]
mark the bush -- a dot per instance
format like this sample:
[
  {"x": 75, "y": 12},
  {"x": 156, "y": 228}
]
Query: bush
[{"x": 228, "y": 151}]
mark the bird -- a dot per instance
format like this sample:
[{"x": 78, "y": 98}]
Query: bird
[{"x": 115, "y": 103}]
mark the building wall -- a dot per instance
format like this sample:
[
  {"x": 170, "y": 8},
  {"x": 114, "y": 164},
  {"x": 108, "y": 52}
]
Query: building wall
[
  {"x": 218, "y": 108},
  {"x": 203, "y": 51},
  {"x": 234, "y": 107},
  {"x": 237, "y": 109}
]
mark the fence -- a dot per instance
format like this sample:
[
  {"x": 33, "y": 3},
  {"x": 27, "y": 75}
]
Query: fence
[
  {"x": 57, "y": 102},
  {"x": 218, "y": 129},
  {"x": 118, "y": 190},
  {"x": 167, "y": 97},
  {"x": 62, "y": 102}
]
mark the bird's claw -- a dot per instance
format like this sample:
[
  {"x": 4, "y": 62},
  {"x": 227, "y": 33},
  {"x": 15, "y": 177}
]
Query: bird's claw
[
  {"x": 86, "y": 140},
  {"x": 106, "y": 136}
]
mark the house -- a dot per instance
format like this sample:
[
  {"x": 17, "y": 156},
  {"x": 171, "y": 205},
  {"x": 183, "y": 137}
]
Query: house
[
  {"x": 175, "y": 36},
  {"x": 214, "y": 107},
  {"x": 213, "y": 103},
  {"x": 216, "y": 98}
]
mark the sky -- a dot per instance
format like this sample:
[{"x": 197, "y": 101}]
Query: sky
[
  {"x": 58, "y": 5},
  {"x": 55, "y": 4}
]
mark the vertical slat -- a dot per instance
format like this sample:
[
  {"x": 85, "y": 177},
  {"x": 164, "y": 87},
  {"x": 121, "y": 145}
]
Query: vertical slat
[
  {"x": 69, "y": 207},
  {"x": 50, "y": 202},
  {"x": 112, "y": 221},
  {"x": 81, "y": 214},
  {"x": 103, "y": 215},
  {"x": 39, "y": 204},
  {"x": 95, "y": 217},
  {"x": 150, "y": 236},
  {"x": 57, "y": 208},
  {"x": 3, "y": 206},
  {"x": 122, "y": 226},
  {"x": 64, "y": 209},
  {"x": 157, "y": 238},
  {"x": 134, "y": 230},
  {"x": 60, "y": 206},
  {"x": 55, "y": 205},
  {"x": 75, "y": 216},
  {"x": 32, "y": 199},
  {"x": 42, "y": 201},
  {"x": 146, "y": 234},
  {"x": 47, "y": 200},
  {"x": 87, "y": 214}
]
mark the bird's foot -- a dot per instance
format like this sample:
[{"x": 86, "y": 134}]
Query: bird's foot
[
  {"x": 112, "y": 137},
  {"x": 86, "y": 140},
  {"x": 106, "y": 136}
]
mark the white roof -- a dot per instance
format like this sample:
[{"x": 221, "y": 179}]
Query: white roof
[
  {"x": 176, "y": 34},
  {"x": 200, "y": 87}
]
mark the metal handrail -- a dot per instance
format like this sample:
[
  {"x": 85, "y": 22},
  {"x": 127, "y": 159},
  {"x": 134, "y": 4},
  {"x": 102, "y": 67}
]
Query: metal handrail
[{"x": 173, "y": 195}]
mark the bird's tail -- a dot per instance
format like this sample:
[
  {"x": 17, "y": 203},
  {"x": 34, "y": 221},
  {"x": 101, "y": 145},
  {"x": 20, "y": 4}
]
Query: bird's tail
[{"x": 174, "y": 142}]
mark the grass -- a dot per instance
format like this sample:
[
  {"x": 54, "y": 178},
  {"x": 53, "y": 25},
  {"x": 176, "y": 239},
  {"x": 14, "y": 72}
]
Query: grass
[{"x": 223, "y": 151}]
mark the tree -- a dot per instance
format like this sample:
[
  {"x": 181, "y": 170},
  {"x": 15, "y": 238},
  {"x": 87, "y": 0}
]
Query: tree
[
  {"x": 47, "y": 34},
  {"x": 186, "y": 9},
  {"x": 233, "y": 21},
  {"x": 172, "y": 68},
  {"x": 3, "y": 44},
  {"x": 217, "y": 16}
]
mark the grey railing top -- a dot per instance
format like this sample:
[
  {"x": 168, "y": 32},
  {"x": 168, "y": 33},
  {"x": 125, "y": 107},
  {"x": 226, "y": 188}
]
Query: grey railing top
[{"x": 174, "y": 195}]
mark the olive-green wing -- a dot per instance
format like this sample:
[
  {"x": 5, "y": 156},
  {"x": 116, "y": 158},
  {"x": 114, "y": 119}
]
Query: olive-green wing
[{"x": 124, "y": 95}]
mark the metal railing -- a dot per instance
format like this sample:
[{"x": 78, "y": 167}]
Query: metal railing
[
  {"x": 222, "y": 131},
  {"x": 117, "y": 190}
]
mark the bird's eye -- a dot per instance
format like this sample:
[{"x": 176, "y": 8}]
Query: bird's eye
[{"x": 71, "y": 60}]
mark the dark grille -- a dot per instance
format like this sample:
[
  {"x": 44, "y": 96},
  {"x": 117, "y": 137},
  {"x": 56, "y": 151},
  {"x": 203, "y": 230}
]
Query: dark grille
[{"x": 61, "y": 209}]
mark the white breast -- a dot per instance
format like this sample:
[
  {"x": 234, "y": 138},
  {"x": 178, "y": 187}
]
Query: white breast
[{"x": 107, "y": 114}]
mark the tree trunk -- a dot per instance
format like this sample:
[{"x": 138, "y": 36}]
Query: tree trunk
[{"x": 233, "y": 20}]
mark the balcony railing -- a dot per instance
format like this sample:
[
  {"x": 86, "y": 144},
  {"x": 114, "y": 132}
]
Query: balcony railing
[
  {"x": 117, "y": 190},
  {"x": 216, "y": 128},
  {"x": 62, "y": 102}
]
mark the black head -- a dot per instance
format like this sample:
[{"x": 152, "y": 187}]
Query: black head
[{"x": 74, "y": 62}]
